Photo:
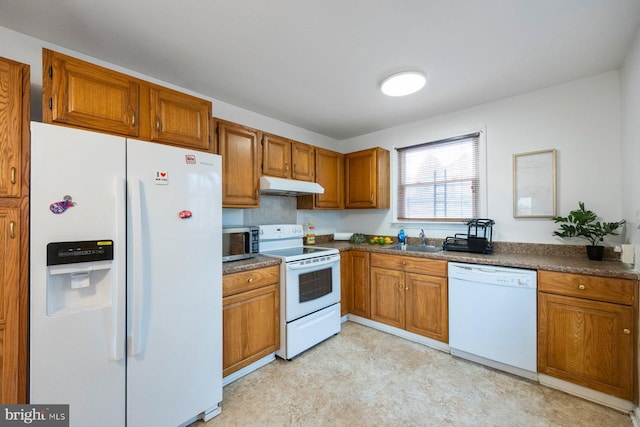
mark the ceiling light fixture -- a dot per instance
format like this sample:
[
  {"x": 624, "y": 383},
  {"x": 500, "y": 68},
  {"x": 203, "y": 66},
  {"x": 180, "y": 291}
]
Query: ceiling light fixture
[{"x": 404, "y": 83}]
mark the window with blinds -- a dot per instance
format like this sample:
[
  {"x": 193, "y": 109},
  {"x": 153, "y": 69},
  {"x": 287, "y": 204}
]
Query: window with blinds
[{"x": 439, "y": 180}]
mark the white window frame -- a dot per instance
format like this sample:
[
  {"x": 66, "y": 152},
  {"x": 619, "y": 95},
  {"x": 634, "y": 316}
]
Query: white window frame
[{"x": 443, "y": 227}]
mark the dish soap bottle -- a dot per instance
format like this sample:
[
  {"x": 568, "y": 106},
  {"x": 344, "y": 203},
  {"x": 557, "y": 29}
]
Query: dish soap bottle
[
  {"x": 311, "y": 235},
  {"x": 402, "y": 238}
]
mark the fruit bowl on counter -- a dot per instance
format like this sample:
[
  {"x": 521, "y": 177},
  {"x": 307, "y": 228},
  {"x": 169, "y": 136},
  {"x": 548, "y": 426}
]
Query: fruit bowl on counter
[{"x": 380, "y": 241}]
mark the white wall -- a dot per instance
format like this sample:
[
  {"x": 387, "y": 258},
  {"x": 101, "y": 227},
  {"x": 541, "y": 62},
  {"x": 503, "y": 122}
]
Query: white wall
[
  {"x": 630, "y": 94},
  {"x": 580, "y": 119}
]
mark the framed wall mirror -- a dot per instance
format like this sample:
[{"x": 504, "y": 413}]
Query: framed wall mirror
[{"x": 534, "y": 184}]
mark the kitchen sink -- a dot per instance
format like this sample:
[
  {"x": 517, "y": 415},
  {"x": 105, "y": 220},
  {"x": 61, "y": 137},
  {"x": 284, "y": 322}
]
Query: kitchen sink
[{"x": 417, "y": 248}]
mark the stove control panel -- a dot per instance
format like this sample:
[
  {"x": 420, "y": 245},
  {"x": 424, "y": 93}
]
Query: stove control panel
[{"x": 281, "y": 231}]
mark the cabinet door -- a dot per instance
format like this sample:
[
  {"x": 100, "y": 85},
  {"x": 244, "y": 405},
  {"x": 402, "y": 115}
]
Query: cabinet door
[
  {"x": 180, "y": 119},
  {"x": 85, "y": 95},
  {"x": 303, "y": 161},
  {"x": 240, "y": 165},
  {"x": 589, "y": 343},
  {"x": 360, "y": 292},
  {"x": 387, "y": 297},
  {"x": 9, "y": 307},
  {"x": 427, "y": 306},
  {"x": 345, "y": 283},
  {"x": 330, "y": 175},
  {"x": 276, "y": 156},
  {"x": 10, "y": 128},
  {"x": 361, "y": 177},
  {"x": 250, "y": 327},
  {"x": 367, "y": 179}
]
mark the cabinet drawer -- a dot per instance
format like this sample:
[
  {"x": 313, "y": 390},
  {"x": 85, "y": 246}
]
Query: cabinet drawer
[
  {"x": 430, "y": 267},
  {"x": 620, "y": 291},
  {"x": 247, "y": 280}
]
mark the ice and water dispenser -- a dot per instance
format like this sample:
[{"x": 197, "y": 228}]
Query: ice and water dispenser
[{"x": 80, "y": 276}]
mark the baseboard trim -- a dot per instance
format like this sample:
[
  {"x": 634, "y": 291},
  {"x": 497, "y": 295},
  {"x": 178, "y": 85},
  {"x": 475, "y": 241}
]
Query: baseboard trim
[
  {"x": 617, "y": 403},
  {"x": 635, "y": 417},
  {"x": 438, "y": 345},
  {"x": 248, "y": 369}
]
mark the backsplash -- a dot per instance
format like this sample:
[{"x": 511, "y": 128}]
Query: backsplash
[{"x": 272, "y": 210}]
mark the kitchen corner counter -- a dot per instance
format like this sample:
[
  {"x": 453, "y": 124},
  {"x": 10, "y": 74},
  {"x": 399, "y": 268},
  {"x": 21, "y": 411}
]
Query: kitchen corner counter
[
  {"x": 258, "y": 261},
  {"x": 565, "y": 264}
]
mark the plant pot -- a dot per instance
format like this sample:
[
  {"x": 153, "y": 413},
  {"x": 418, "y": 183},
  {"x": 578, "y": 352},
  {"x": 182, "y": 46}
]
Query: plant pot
[{"x": 595, "y": 253}]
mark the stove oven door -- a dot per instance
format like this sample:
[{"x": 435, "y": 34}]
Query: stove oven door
[{"x": 311, "y": 285}]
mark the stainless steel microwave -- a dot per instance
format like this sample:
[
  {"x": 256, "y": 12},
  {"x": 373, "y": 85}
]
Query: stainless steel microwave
[{"x": 239, "y": 243}]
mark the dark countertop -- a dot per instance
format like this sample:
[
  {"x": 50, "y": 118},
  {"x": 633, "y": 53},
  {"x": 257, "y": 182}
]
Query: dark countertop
[
  {"x": 565, "y": 264},
  {"x": 258, "y": 261}
]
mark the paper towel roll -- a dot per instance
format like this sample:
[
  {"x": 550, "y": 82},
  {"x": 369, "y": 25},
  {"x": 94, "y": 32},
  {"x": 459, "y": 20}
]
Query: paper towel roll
[
  {"x": 627, "y": 254},
  {"x": 342, "y": 236}
]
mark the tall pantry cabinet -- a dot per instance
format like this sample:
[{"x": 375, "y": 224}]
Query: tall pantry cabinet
[{"x": 14, "y": 228}]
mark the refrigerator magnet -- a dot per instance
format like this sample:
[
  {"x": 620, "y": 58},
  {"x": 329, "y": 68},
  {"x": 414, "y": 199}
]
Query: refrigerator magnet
[
  {"x": 162, "y": 178},
  {"x": 61, "y": 207}
]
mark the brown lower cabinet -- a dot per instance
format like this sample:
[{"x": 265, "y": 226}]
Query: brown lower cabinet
[
  {"x": 411, "y": 294},
  {"x": 250, "y": 317},
  {"x": 359, "y": 284},
  {"x": 586, "y": 331}
]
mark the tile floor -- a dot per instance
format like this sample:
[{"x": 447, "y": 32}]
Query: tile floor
[{"x": 364, "y": 377}]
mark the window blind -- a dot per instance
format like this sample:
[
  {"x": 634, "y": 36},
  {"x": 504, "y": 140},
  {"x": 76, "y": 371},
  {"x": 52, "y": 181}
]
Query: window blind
[{"x": 439, "y": 180}]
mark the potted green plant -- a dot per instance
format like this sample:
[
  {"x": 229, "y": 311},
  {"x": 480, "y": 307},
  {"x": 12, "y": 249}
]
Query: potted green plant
[{"x": 583, "y": 223}]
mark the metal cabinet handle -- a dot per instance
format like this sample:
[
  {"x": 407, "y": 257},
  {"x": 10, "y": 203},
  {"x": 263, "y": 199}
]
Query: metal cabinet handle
[
  {"x": 626, "y": 331},
  {"x": 12, "y": 230},
  {"x": 13, "y": 175},
  {"x": 133, "y": 118},
  {"x": 583, "y": 287},
  {"x": 286, "y": 167},
  {"x": 371, "y": 198},
  {"x": 158, "y": 124},
  {"x": 250, "y": 279},
  {"x": 406, "y": 289}
]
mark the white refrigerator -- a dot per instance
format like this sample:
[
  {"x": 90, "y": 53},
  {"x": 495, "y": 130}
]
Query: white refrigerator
[{"x": 126, "y": 279}]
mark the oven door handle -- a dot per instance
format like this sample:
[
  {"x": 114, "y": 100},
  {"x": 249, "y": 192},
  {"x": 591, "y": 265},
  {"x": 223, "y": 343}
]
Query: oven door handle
[{"x": 333, "y": 260}]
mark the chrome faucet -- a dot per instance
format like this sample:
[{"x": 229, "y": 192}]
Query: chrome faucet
[{"x": 423, "y": 237}]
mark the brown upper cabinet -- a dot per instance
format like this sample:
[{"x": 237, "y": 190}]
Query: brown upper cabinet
[
  {"x": 80, "y": 94},
  {"x": 284, "y": 158},
  {"x": 239, "y": 147},
  {"x": 180, "y": 119},
  {"x": 367, "y": 179},
  {"x": 329, "y": 167}
]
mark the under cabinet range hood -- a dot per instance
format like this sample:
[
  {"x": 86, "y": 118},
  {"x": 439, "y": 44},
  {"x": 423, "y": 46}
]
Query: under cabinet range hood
[{"x": 288, "y": 187}]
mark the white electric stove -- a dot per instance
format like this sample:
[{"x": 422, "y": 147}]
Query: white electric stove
[{"x": 309, "y": 288}]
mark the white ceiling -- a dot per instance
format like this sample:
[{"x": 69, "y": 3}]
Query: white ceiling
[{"x": 318, "y": 64}]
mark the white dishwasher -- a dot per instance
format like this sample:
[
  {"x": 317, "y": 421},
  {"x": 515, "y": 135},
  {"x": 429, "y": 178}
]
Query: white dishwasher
[{"x": 492, "y": 316}]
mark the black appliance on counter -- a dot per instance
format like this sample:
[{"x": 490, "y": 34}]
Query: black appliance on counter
[{"x": 478, "y": 238}]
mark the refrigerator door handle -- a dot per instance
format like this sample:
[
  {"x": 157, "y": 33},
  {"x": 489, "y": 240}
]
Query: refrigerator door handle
[
  {"x": 119, "y": 318},
  {"x": 137, "y": 270}
]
